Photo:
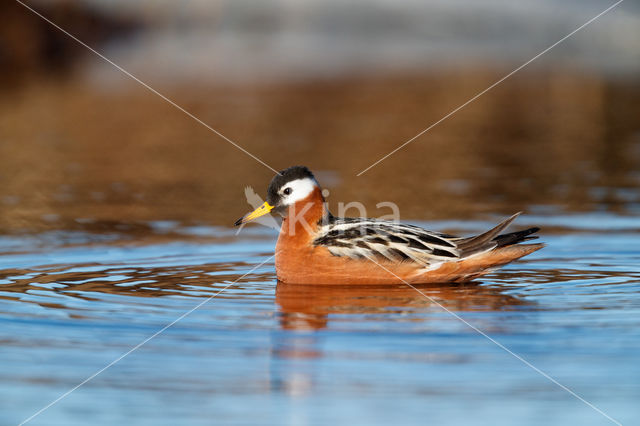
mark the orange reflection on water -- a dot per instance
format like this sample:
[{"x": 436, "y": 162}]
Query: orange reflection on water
[{"x": 309, "y": 307}]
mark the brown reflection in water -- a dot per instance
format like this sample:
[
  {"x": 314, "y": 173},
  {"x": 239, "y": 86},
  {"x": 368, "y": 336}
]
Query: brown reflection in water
[
  {"x": 69, "y": 151},
  {"x": 308, "y": 308},
  {"x": 305, "y": 307},
  {"x": 151, "y": 282}
]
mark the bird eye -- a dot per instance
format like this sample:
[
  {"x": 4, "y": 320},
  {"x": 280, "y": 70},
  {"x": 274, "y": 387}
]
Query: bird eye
[{"x": 287, "y": 191}]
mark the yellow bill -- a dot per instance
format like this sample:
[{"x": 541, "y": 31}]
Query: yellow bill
[{"x": 260, "y": 211}]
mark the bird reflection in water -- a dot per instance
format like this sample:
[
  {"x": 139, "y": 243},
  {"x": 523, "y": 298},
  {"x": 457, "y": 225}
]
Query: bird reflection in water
[
  {"x": 306, "y": 309},
  {"x": 309, "y": 307}
]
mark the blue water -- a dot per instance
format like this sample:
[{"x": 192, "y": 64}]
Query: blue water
[{"x": 266, "y": 353}]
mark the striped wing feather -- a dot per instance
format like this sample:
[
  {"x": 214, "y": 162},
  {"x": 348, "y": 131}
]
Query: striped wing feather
[
  {"x": 367, "y": 238},
  {"x": 359, "y": 238}
]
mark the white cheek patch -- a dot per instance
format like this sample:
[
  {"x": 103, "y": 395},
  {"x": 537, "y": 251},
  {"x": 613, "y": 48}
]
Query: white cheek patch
[{"x": 300, "y": 189}]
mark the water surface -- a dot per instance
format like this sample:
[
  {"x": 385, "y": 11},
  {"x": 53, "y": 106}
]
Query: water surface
[{"x": 266, "y": 352}]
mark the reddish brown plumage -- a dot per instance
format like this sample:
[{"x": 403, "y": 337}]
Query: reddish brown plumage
[{"x": 299, "y": 261}]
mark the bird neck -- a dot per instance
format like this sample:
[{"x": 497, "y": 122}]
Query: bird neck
[{"x": 304, "y": 217}]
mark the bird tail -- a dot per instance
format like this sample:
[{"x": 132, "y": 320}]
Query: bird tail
[
  {"x": 516, "y": 237},
  {"x": 493, "y": 238}
]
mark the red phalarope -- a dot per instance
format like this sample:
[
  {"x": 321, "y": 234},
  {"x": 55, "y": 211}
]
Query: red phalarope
[{"x": 315, "y": 247}]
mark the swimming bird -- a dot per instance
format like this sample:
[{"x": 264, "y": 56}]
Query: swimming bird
[{"x": 315, "y": 247}]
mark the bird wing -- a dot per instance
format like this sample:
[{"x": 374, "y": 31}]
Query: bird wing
[
  {"x": 358, "y": 238},
  {"x": 370, "y": 238}
]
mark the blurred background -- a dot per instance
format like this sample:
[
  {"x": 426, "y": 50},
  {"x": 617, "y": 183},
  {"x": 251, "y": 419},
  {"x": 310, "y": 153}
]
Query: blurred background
[
  {"x": 331, "y": 85},
  {"x": 116, "y": 210}
]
